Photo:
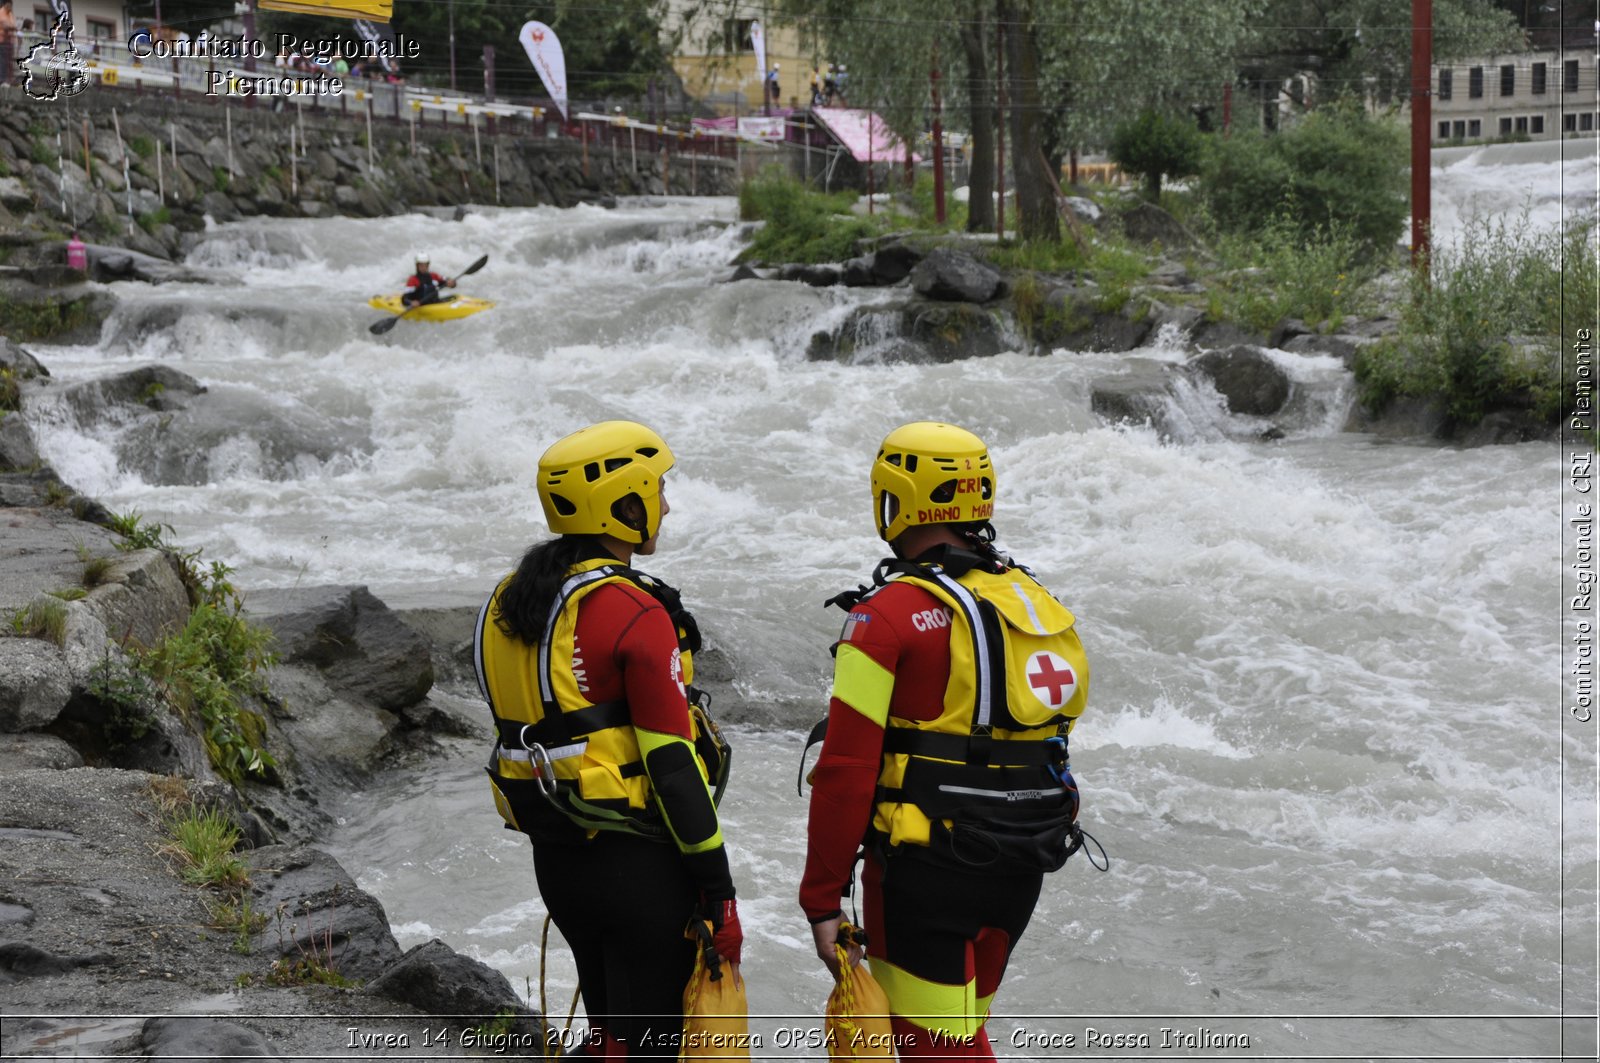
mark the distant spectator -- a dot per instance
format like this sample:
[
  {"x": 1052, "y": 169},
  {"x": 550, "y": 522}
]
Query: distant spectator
[
  {"x": 830, "y": 85},
  {"x": 774, "y": 93},
  {"x": 8, "y": 42},
  {"x": 816, "y": 86},
  {"x": 77, "y": 254},
  {"x": 340, "y": 67}
]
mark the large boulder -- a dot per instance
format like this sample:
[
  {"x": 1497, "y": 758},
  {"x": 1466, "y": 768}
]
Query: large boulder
[
  {"x": 363, "y": 648},
  {"x": 1147, "y": 223},
  {"x": 950, "y": 275},
  {"x": 1141, "y": 394},
  {"x": 320, "y": 915},
  {"x": 436, "y": 979},
  {"x": 186, "y": 434},
  {"x": 1247, "y": 378},
  {"x": 22, "y": 365},
  {"x": 18, "y": 451}
]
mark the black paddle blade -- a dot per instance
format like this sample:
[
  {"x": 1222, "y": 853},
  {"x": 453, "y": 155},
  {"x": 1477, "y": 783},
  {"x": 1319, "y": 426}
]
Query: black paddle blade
[
  {"x": 475, "y": 267},
  {"x": 380, "y": 327}
]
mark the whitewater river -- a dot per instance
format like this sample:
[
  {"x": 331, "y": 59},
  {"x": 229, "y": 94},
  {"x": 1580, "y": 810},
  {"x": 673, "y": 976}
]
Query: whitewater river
[{"x": 1324, "y": 747}]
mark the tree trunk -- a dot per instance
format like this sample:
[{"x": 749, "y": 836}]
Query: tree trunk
[
  {"x": 980, "y": 175},
  {"x": 1036, "y": 201}
]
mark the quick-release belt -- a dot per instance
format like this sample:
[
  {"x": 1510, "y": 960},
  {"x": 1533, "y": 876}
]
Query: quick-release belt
[{"x": 517, "y": 739}]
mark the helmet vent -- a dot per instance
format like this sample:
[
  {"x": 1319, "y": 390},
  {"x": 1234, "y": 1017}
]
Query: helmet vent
[
  {"x": 893, "y": 459},
  {"x": 988, "y": 488},
  {"x": 591, "y": 471},
  {"x": 647, "y": 452},
  {"x": 911, "y": 463},
  {"x": 613, "y": 464},
  {"x": 562, "y": 506},
  {"x": 945, "y": 492}
]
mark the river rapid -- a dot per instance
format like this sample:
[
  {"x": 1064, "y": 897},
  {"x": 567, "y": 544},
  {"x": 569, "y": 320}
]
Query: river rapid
[{"x": 1324, "y": 745}]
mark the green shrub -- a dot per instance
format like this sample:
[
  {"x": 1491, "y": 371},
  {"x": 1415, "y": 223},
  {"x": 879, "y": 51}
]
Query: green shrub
[
  {"x": 801, "y": 225},
  {"x": 149, "y": 220},
  {"x": 208, "y": 668},
  {"x": 137, "y": 535},
  {"x": 1156, "y": 145},
  {"x": 1284, "y": 272},
  {"x": 1336, "y": 167},
  {"x": 1454, "y": 345},
  {"x": 128, "y": 698},
  {"x": 142, "y": 145},
  {"x": 10, "y": 391}
]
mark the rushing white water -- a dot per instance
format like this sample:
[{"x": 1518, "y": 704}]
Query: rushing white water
[{"x": 1324, "y": 745}]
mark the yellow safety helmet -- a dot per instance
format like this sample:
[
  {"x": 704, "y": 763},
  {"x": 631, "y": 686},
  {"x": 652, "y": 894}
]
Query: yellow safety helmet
[
  {"x": 931, "y": 473},
  {"x": 583, "y": 476}
]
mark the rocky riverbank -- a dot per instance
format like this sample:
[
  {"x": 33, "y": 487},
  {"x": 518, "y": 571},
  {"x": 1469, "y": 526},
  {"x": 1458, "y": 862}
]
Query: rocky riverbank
[
  {"x": 953, "y": 304},
  {"x": 99, "y": 930}
]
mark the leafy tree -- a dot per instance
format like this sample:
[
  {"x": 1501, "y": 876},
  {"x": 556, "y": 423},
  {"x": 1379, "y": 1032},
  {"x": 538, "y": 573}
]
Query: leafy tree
[
  {"x": 1157, "y": 145},
  {"x": 1338, "y": 169}
]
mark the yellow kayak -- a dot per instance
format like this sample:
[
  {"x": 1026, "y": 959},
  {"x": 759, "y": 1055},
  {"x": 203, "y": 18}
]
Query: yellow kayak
[{"x": 448, "y": 309}]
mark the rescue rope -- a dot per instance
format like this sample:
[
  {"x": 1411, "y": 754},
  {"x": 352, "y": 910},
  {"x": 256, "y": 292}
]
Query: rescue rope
[{"x": 552, "y": 1045}]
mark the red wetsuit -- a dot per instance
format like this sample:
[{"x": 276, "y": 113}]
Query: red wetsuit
[{"x": 940, "y": 925}]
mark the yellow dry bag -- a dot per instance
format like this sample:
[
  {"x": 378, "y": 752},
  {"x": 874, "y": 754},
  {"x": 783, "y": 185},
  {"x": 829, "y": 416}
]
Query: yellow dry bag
[
  {"x": 858, "y": 1009},
  {"x": 716, "y": 1022}
]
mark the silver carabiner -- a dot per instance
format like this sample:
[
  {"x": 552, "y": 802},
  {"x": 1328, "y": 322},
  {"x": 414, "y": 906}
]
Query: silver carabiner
[{"x": 543, "y": 770}]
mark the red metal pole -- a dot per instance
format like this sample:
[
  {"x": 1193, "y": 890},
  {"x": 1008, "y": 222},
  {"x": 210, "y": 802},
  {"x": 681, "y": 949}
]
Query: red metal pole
[
  {"x": 938, "y": 146},
  {"x": 1421, "y": 127},
  {"x": 1000, "y": 121}
]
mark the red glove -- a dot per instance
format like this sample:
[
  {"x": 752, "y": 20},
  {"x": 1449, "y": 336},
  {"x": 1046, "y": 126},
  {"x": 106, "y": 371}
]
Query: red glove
[{"x": 726, "y": 935}]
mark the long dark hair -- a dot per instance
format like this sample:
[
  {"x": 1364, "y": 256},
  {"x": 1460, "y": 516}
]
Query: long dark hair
[{"x": 523, "y": 607}]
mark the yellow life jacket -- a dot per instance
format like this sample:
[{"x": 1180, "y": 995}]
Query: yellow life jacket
[
  {"x": 988, "y": 783},
  {"x": 562, "y": 766}
]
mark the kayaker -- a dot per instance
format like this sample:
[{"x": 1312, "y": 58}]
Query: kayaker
[{"x": 424, "y": 284}]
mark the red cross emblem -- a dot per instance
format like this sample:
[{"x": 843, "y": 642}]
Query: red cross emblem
[
  {"x": 538, "y": 36},
  {"x": 1051, "y": 679}
]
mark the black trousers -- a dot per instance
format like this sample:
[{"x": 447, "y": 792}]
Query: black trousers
[{"x": 622, "y": 903}]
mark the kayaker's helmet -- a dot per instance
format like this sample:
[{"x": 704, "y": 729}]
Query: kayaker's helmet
[
  {"x": 928, "y": 472},
  {"x": 420, "y": 258},
  {"x": 585, "y": 477}
]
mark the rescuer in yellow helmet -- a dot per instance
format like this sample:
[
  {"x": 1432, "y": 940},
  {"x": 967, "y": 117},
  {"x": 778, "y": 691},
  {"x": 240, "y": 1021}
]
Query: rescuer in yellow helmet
[
  {"x": 604, "y": 753},
  {"x": 956, "y": 680}
]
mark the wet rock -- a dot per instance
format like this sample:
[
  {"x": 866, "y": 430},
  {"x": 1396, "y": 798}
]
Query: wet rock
[
  {"x": 121, "y": 263},
  {"x": 361, "y": 645},
  {"x": 156, "y": 386},
  {"x": 1183, "y": 318},
  {"x": 818, "y": 276},
  {"x": 19, "y": 960},
  {"x": 219, "y": 207},
  {"x": 18, "y": 451},
  {"x": 35, "y": 684},
  {"x": 952, "y": 332},
  {"x": 326, "y": 919},
  {"x": 334, "y": 738},
  {"x": 857, "y": 273},
  {"x": 21, "y": 364},
  {"x": 435, "y": 978},
  {"x": 954, "y": 276},
  {"x": 169, "y": 1040},
  {"x": 1139, "y": 396},
  {"x": 1248, "y": 380},
  {"x": 893, "y": 263},
  {"x": 744, "y": 272}
]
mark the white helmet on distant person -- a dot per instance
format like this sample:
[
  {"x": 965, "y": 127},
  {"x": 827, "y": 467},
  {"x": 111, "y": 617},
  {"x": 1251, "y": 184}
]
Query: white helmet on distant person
[{"x": 420, "y": 258}]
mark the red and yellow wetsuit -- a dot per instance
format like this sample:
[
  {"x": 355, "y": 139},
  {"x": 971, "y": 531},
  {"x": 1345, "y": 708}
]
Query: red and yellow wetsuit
[{"x": 939, "y": 934}]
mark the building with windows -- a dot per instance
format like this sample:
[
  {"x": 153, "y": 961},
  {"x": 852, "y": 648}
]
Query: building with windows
[
  {"x": 1533, "y": 95},
  {"x": 715, "y": 57}
]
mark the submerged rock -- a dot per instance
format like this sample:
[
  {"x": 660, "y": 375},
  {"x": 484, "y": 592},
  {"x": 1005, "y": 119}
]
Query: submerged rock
[{"x": 1247, "y": 378}]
